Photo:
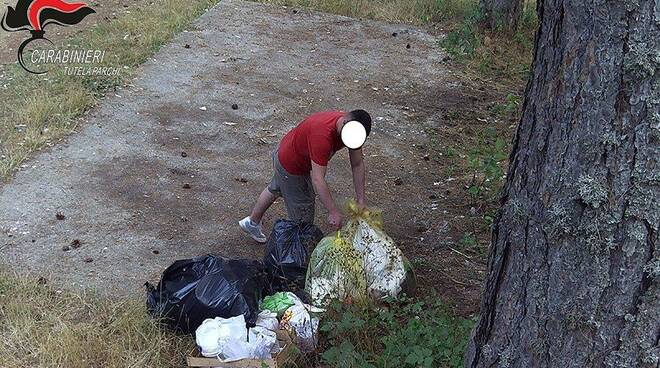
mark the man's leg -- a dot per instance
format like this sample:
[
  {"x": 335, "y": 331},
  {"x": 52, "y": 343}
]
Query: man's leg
[
  {"x": 299, "y": 196},
  {"x": 252, "y": 223},
  {"x": 265, "y": 200}
]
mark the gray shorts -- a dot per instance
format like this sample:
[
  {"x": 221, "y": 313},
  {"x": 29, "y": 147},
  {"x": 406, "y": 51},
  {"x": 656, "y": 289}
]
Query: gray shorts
[{"x": 297, "y": 191}]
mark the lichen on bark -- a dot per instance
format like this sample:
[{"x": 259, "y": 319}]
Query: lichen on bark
[{"x": 573, "y": 264}]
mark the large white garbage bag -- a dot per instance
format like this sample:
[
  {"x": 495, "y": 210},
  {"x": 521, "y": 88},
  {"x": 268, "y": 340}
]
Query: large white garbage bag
[
  {"x": 211, "y": 334},
  {"x": 383, "y": 262}
]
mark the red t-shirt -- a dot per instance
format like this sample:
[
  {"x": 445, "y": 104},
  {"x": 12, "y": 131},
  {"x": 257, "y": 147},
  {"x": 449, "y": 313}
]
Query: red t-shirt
[{"x": 314, "y": 139}]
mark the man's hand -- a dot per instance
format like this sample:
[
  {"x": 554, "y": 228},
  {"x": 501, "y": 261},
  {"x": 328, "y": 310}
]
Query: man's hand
[{"x": 334, "y": 219}]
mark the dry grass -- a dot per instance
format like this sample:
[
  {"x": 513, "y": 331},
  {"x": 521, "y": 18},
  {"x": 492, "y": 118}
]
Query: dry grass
[
  {"x": 399, "y": 11},
  {"x": 36, "y": 111},
  {"x": 44, "y": 327}
]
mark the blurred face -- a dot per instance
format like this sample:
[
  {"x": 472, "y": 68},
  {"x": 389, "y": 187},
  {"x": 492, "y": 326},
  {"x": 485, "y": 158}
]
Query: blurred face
[{"x": 353, "y": 134}]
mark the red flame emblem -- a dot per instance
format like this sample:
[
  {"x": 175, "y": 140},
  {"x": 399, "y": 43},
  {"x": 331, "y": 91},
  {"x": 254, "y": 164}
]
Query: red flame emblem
[
  {"x": 34, "y": 15},
  {"x": 38, "y": 6}
]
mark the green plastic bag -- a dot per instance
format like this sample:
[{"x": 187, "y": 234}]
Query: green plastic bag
[{"x": 277, "y": 303}]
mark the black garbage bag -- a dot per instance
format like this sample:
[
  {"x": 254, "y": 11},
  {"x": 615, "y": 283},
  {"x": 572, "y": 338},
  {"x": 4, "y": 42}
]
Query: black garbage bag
[
  {"x": 287, "y": 253},
  {"x": 192, "y": 290}
]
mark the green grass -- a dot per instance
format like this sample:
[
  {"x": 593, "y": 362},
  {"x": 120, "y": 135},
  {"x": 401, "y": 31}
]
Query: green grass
[
  {"x": 407, "y": 333},
  {"x": 493, "y": 54},
  {"x": 41, "y": 326},
  {"x": 36, "y": 111}
]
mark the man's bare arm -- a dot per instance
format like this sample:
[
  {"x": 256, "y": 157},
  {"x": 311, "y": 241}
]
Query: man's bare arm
[
  {"x": 322, "y": 190},
  {"x": 358, "y": 169}
]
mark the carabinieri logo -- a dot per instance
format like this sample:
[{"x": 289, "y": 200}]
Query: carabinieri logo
[{"x": 35, "y": 15}]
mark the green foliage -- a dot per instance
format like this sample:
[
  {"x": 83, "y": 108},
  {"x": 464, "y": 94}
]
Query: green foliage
[
  {"x": 468, "y": 240},
  {"x": 529, "y": 18},
  {"x": 498, "y": 53},
  {"x": 466, "y": 38},
  {"x": 484, "y": 160},
  {"x": 489, "y": 217},
  {"x": 508, "y": 108},
  {"x": 403, "y": 333}
]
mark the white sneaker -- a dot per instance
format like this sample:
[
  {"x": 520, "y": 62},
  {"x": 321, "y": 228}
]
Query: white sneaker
[{"x": 252, "y": 229}]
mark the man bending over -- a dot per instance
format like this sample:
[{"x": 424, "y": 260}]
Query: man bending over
[{"x": 300, "y": 163}]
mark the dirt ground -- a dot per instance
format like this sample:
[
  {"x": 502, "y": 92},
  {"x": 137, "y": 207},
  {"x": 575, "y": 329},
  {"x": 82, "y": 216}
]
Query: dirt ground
[{"x": 163, "y": 170}]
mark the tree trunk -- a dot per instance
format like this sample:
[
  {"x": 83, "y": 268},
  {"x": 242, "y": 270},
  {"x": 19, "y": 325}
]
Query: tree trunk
[
  {"x": 573, "y": 265},
  {"x": 502, "y": 13}
]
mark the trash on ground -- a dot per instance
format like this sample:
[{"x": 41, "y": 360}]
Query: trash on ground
[
  {"x": 268, "y": 320},
  {"x": 212, "y": 332},
  {"x": 264, "y": 341},
  {"x": 229, "y": 340},
  {"x": 358, "y": 263},
  {"x": 261, "y": 348},
  {"x": 287, "y": 253},
  {"x": 336, "y": 271},
  {"x": 278, "y": 302},
  {"x": 193, "y": 290},
  {"x": 302, "y": 323}
]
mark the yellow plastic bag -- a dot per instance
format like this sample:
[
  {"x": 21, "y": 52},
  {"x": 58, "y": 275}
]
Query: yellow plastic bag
[
  {"x": 359, "y": 262},
  {"x": 335, "y": 272}
]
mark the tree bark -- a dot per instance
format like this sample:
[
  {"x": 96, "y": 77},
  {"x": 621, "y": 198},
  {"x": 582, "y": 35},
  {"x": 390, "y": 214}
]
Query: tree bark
[
  {"x": 574, "y": 265},
  {"x": 502, "y": 13}
]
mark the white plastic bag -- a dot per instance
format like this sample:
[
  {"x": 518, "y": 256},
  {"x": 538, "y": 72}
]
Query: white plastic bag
[
  {"x": 211, "y": 334},
  {"x": 207, "y": 337},
  {"x": 383, "y": 261},
  {"x": 336, "y": 270},
  {"x": 227, "y": 339},
  {"x": 304, "y": 327},
  {"x": 268, "y": 320},
  {"x": 261, "y": 345},
  {"x": 264, "y": 341},
  {"x": 233, "y": 350}
]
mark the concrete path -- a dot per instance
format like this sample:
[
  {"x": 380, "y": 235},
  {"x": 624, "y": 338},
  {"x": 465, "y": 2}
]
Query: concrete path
[{"x": 164, "y": 169}]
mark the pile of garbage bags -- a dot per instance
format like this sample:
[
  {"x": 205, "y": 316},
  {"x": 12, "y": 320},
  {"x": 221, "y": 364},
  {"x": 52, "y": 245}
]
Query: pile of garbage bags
[
  {"x": 359, "y": 263},
  {"x": 192, "y": 290},
  {"x": 229, "y": 339},
  {"x": 235, "y": 307}
]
